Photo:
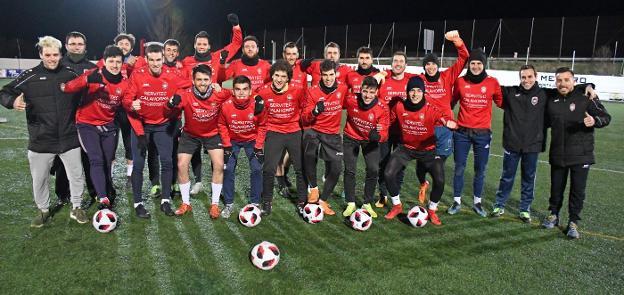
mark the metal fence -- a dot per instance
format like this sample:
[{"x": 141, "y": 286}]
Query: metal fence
[{"x": 566, "y": 38}]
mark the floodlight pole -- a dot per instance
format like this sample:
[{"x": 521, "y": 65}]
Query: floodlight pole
[{"x": 121, "y": 16}]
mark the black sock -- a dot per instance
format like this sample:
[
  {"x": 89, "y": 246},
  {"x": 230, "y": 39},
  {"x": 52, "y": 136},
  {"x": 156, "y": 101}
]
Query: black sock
[{"x": 281, "y": 180}]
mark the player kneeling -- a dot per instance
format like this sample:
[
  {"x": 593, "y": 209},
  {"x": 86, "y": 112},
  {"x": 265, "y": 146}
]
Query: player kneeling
[
  {"x": 417, "y": 120},
  {"x": 200, "y": 105},
  {"x": 242, "y": 125}
]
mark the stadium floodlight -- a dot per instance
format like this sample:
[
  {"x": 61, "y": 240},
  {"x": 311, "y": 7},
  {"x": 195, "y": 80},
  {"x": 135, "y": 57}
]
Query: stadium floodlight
[{"x": 121, "y": 16}]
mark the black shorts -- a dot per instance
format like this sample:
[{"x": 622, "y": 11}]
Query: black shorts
[
  {"x": 189, "y": 144},
  {"x": 330, "y": 144}
]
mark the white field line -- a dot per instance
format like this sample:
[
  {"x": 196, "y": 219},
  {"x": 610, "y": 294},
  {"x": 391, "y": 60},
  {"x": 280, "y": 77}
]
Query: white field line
[
  {"x": 591, "y": 168},
  {"x": 185, "y": 238}
]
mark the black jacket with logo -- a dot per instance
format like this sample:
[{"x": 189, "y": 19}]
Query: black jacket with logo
[
  {"x": 572, "y": 142},
  {"x": 523, "y": 121},
  {"x": 50, "y": 113}
]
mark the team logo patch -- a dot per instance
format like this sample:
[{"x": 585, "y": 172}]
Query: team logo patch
[
  {"x": 338, "y": 95},
  {"x": 405, "y": 115},
  {"x": 165, "y": 85},
  {"x": 534, "y": 100},
  {"x": 289, "y": 97},
  {"x": 146, "y": 85},
  {"x": 118, "y": 91},
  {"x": 483, "y": 89},
  {"x": 233, "y": 115},
  {"x": 250, "y": 116},
  {"x": 421, "y": 116},
  {"x": 259, "y": 71},
  {"x": 195, "y": 104},
  {"x": 572, "y": 107},
  {"x": 213, "y": 104},
  {"x": 371, "y": 117}
]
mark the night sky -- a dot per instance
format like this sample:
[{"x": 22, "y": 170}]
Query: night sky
[{"x": 26, "y": 20}]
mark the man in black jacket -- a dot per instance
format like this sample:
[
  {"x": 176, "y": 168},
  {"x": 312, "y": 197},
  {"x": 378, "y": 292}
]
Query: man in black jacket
[
  {"x": 572, "y": 119},
  {"x": 76, "y": 45},
  {"x": 50, "y": 115},
  {"x": 523, "y": 123}
]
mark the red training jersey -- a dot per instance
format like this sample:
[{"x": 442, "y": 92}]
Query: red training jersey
[
  {"x": 475, "y": 101},
  {"x": 283, "y": 108},
  {"x": 238, "y": 123},
  {"x": 328, "y": 121},
  {"x": 190, "y": 62},
  {"x": 258, "y": 74},
  {"x": 201, "y": 116},
  {"x": 315, "y": 71},
  {"x": 360, "y": 122},
  {"x": 417, "y": 128}
]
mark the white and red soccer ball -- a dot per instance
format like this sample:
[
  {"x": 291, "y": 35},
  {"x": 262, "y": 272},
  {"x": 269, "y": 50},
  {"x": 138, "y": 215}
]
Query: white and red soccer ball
[
  {"x": 249, "y": 216},
  {"x": 313, "y": 213},
  {"x": 265, "y": 255},
  {"x": 418, "y": 216},
  {"x": 104, "y": 220},
  {"x": 361, "y": 220}
]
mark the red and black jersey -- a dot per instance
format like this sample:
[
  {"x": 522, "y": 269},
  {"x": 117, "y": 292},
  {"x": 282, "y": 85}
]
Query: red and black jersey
[
  {"x": 417, "y": 127},
  {"x": 201, "y": 116},
  {"x": 190, "y": 62},
  {"x": 283, "y": 108},
  {"x": 238, "y": 123},
  {"x": 258, "y": 74},
  {"x": 354, "y": 80},
  {"x": 360, "y": 122},
  {"x": 100, "y": 103},
  {"x": 440, "y": 92},
  {"x": 154, "y": 93},
  {"x": 475, "y": 101},
  {"x": 315, "y": 71},
  {"x": 299, "y": 78},
  {"x": 329, "y": 120}
]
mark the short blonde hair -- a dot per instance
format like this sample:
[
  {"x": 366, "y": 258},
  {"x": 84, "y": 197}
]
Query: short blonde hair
[{"x": 48, "y": 41}]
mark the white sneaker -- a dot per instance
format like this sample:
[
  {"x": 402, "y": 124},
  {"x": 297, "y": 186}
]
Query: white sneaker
[{"x": 197, "y": 187}]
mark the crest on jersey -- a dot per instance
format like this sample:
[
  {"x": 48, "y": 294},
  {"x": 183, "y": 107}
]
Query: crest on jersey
[
  {"x": 338, "y": 95},
  {"x": 259, "y": 71},
  {"x": 572, "y": 107},
  {"x": 421, "y": 116},
  {"x": 483, "y": 89},
  {"x": 405, "y": 114},
  {"x": 213, "y": 104},
  {"x": 165, "y": 85},
  {"x": 250, "y": 116},
  {"x": 289, "y": 97},
  {"x": 195, "y": 104},
  {"x": 534, "y": 100},
  {"x": 233, "y": 115},
  {"x": 118, "y": 91},
  {"x": 371, "y": 117}
]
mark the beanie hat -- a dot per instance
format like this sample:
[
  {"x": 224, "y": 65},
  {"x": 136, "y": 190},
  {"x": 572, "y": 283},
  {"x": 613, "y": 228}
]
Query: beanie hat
[
  {"x": 431, "y": 57},
  {"x": 478, "y": 54},
  {"x": 415, "y": 82}
]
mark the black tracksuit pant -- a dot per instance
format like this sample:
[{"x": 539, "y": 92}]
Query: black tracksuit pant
[
  {"x": 274, "y": 146},
  {"x": 370, "y": 151},
  {"x": 578, "y": 181},
  {"x": 426, "y": 159}
]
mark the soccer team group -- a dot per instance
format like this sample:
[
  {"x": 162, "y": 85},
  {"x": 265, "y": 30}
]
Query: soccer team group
[{"x": 167, "y": 110}]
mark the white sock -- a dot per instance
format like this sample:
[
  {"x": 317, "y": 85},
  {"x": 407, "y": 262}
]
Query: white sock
[
  {"x": 137, "y": 204},
  {"x": 165, "y": 201},
  {"x": 477, "y": 200},
  {"x": 45, "y": 210},
  {"x": 395, "y": 200},
  {"x": 185, "y": 190},
  {"x": 128, "y": 170},
  {"x": 216, "y": 192},
  {"x": 433, "y": 205},
  {"x": 457, "y": 200}
]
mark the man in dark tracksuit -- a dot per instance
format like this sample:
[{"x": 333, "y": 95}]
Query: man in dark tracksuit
[
  {"x": 50, "y": 115},
  {"x": 523, "y": 139},
  {"x": 75, "y": 59},
  {"x": 572, "y": 119}
]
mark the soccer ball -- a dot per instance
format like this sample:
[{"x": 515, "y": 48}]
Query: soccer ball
[
  {"x": 313, "y": 213},
  {"x": 417, "y": 216},
  {"x": 104, "y": 220},
  {"x": 249, "y": 216},
  {"x": 361, "y": 220},
  {"x": 265, "y": 255}
]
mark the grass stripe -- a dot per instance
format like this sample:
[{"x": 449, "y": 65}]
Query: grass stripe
[
  {"x": 225, "y": 263},
  {"x": 155, "y": 248},
  {"x": 590, "y": 168}
]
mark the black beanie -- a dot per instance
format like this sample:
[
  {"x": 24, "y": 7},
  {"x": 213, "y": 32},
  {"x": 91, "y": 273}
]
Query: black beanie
[
  {"x": 415, "y": 82},
  {"x": 478, "y": 54},
  {"x": 431, "y": 57}
]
